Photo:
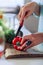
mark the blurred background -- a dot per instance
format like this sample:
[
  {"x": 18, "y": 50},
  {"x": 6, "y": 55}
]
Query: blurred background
[{"x": 31, "y": 23}]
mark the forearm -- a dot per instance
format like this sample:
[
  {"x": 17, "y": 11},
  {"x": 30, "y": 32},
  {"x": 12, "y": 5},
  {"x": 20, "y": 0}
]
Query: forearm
[
  {"x": 37, "y": 9},
  {"x": 41, "y": 37}
]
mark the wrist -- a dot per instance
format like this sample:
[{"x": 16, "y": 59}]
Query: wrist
[{"x": 39, "y": 36}]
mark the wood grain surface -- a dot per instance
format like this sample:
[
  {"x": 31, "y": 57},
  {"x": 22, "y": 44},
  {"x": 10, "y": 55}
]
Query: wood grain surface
[{"x": 18, "y": 54}]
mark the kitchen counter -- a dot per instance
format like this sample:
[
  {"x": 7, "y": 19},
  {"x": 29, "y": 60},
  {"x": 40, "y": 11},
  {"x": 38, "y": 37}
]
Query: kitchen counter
[
  {"x": 29, "y": 61},
  {"x": 22, "y": 61}
]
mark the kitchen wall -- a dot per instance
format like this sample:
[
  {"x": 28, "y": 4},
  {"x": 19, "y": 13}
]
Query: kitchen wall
[
  {"x": 11, "y": 3},
  {"x": 32, "y": 22}
]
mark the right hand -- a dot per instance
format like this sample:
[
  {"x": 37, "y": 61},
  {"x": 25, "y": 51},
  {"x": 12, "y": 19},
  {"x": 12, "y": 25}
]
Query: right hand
[
  {"x": 35, "y": 39},
  {"x": 26, "y": 11}
]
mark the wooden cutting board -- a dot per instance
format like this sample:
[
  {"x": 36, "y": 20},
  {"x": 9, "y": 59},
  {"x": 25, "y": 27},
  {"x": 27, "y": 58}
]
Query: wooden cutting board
[{"x": 10, "y": 53}]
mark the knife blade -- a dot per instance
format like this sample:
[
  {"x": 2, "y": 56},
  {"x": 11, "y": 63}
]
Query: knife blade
[{"x": 20, "y": 26}]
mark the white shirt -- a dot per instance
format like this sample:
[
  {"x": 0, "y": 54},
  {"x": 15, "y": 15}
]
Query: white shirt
[{"x": 40, "y": 26}]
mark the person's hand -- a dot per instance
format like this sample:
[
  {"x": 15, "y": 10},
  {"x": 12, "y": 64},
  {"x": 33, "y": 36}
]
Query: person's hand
[
  {"x": 26, "y": 11},
  {"x": 34, "y": 38}
]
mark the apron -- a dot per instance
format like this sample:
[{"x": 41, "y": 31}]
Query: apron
[{"x": 40, "y": 25}]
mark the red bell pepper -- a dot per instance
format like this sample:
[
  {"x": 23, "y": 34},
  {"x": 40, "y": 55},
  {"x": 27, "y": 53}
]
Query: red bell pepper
[{"x": 16, "y": 42}]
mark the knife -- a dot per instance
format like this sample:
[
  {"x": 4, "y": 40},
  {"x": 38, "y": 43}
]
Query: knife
[{"x": 20, "y": 26}]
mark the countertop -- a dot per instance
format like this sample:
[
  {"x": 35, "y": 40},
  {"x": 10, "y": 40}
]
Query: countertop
[
  {"x": 22, "y": 61},
  {"x": 29, "y": 61}
]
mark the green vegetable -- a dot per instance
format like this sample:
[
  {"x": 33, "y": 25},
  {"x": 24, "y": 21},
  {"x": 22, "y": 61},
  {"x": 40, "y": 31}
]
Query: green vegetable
[{"x": 9, "y": 35}]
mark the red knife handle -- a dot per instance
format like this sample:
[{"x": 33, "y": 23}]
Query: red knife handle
[{"x": 21, "y": 23}]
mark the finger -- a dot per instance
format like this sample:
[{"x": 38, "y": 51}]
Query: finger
[
  {"x": 22, "y": 47},
  {"x": 29, "y": 13},
  {"x": 23, "y": 40},
  {"x": 19, "y": 15},
  {"x": 22, "y": 15}
]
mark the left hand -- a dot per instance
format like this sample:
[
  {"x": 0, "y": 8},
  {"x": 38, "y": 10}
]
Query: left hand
[{"x": 35, "y": 38}]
